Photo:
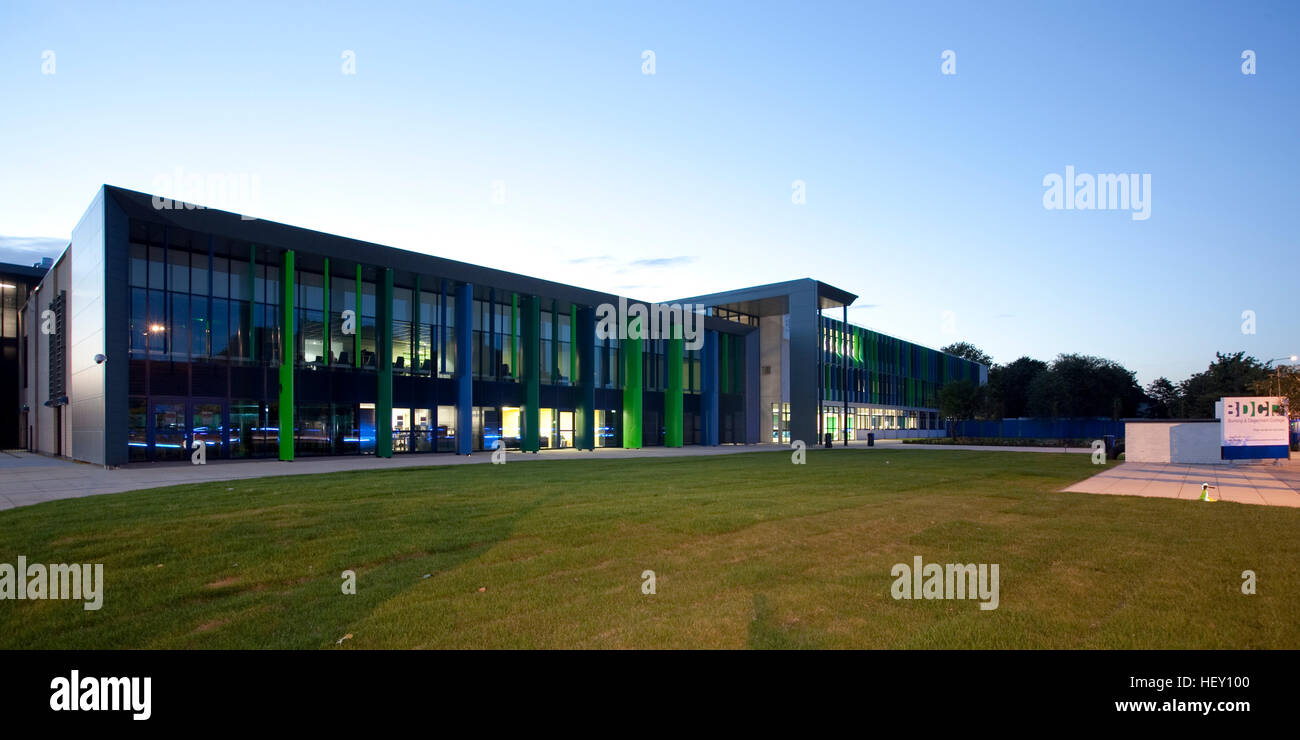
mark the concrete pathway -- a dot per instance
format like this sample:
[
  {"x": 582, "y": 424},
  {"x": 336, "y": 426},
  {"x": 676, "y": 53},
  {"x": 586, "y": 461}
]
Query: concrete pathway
[{"x": 1252, "y": 483}]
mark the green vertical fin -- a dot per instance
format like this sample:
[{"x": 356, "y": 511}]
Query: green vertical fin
[{"x": 287, "y": 355}]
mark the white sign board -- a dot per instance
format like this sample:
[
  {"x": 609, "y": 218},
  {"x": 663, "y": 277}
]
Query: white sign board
[{"x": 1258, "y": 421}]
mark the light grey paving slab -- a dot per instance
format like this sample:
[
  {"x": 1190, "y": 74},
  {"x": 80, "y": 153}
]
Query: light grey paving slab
[{"x": 1251, "y": 483}]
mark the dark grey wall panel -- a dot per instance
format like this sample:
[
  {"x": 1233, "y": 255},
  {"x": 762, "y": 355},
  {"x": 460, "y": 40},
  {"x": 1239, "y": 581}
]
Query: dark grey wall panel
[{"x": 117, "y": 312}]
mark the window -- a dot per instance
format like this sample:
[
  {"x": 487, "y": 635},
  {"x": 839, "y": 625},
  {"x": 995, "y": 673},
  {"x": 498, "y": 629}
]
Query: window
[
  {"x": 226, "y": 276},
  {"x": 178, "y": 262},
  {"x": 564, "y": 350},
  {"x": 547, "y": 339},
  {"x": 346, "y": 434},
  {"x": 199, "y": 273},
  {"x": 139, "y": 321},
  {"x": 343, "y": 297},
  {"x": 402, "y": 347},
  {"x": 222, "y": 323},
  {"x": 506, "y": 328},
  {"x": 447, "y": 362},
  {"x": 312, "y": 429},
  {"x": 139, "y": 266},
  {"x": 311, "y": 333},
  {"x": 446, "y": 428},
  {"x": 199, "y": 327},
  {"x": 157, "y": 322},
  {"x": 136, "y": 435},
  {"x": 367, "y": 326},
  {"x": 427, "y": 332},
  {"x": 178, "y": 327}
]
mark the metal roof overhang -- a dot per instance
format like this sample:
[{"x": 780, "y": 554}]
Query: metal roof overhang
[{"x": 774, "y": 298}]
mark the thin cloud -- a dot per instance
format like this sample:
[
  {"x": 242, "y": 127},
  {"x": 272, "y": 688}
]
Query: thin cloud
[
  {"x": 661, "y": 262},
  {"x": 26, "y": 250}
]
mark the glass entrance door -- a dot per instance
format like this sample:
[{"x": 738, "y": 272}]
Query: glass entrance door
[
  {"x": 208, "y": 425},
  {"x": 169, "y": 430},
  {"x": 174, "y": 423}
]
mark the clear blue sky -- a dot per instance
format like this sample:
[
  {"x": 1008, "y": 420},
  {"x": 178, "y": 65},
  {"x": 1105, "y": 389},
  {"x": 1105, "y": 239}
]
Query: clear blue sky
[{"x": 924, "y": 191}]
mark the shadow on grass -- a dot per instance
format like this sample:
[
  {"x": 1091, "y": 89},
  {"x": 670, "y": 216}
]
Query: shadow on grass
[{"x": 397, "y": 593}]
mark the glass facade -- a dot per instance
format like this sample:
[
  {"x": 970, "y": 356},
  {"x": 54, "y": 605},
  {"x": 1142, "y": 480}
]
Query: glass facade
[
  {"x": 265, "y": 340},
  {"x": 207, "y": 344},
  {"x": 867, "y": 418},
  {"x": 305, "y": 348},
  {"x": 863, "y": 366}
]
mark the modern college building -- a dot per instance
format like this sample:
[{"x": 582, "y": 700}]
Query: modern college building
[{"x": 162, "y": 325}]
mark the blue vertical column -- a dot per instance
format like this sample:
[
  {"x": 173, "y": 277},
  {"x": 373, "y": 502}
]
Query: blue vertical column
[
  {"x": 464, "y": 374},
  {"x": 709, "y": 395}
]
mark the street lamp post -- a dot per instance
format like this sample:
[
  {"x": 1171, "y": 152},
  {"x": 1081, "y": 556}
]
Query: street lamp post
[{"x": 1292, "y": 358}]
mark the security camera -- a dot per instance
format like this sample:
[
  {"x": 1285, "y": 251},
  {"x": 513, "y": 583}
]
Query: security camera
[{"x": 99, "y": 359}]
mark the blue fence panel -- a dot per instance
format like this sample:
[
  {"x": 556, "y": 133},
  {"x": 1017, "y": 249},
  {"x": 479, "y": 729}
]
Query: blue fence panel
[{"x": 1041, "y": 428}]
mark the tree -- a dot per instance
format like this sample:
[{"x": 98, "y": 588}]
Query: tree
[
  {"x": 1166, "y": 400},
  {"x": 1008, "y": 390},
  {"x": 1290, "y": 386},
  {"x": 1085, "y": 386},
  {"x": 1048, "y": 398},
  {"x": 1229, "y": 375},
  {"x": 960, "y": 400},
  {"x": 967, "y": 351}
]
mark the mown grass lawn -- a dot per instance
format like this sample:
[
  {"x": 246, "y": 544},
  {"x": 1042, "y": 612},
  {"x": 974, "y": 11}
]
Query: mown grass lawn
[{"x": 748, "y": 551}]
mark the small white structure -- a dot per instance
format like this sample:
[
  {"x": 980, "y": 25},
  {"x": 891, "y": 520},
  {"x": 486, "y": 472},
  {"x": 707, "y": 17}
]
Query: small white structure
[{"x": 1172, "y": 441}]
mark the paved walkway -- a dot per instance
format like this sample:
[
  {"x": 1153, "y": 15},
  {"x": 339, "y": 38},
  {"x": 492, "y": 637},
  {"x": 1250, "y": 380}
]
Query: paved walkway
[
  {"x": 1254, "y": 483},
  {"x": 27, "y": 479}
]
